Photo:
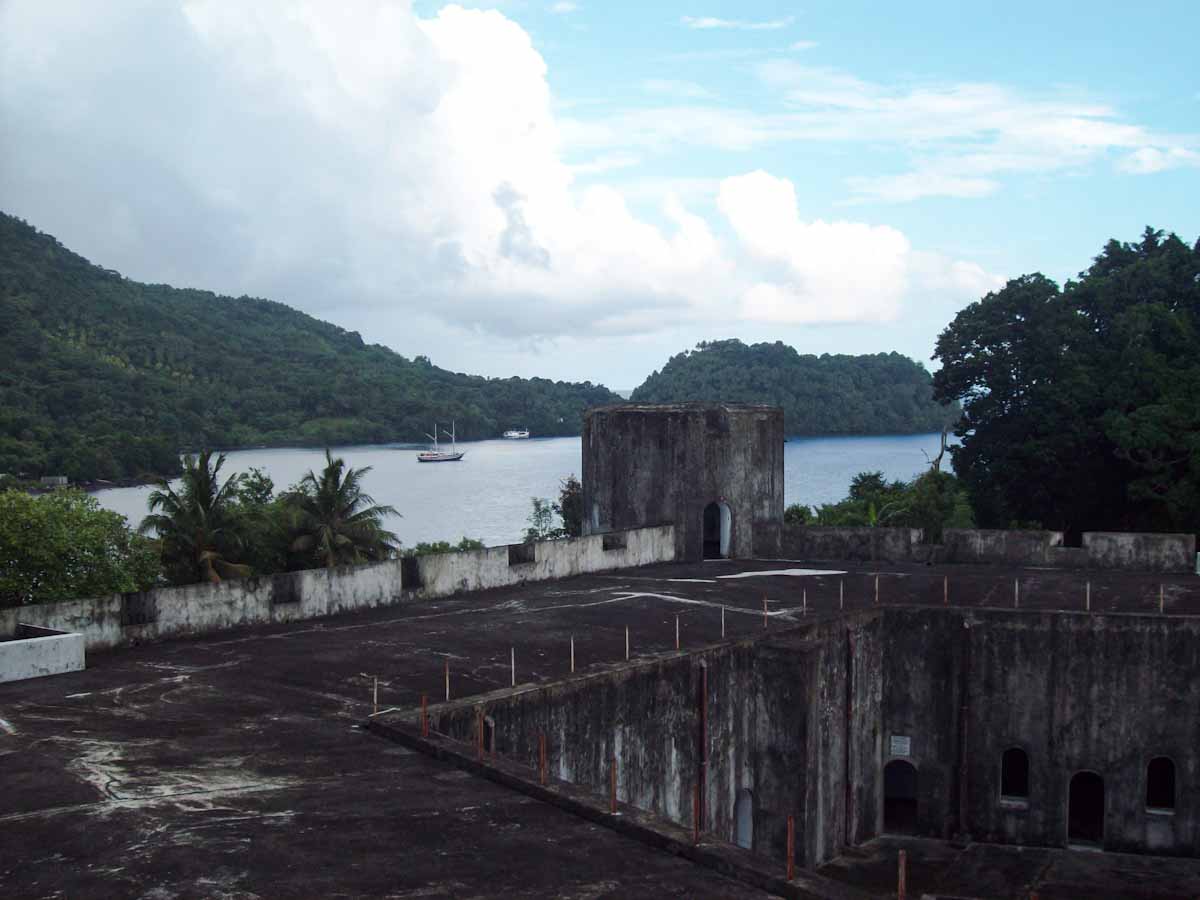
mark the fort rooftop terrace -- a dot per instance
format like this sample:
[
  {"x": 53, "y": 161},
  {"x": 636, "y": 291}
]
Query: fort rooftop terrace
[{"x": 237, "y": 764}]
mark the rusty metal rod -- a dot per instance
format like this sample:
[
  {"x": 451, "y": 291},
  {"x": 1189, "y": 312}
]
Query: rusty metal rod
[{"x": 791, "y": 848}]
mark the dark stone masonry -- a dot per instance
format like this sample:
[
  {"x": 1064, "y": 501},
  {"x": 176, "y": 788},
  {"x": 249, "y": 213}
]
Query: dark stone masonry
[{"x": 1009, "y": 724}]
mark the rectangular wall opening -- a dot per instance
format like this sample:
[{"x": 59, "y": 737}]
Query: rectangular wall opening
[
  {"x": 521, "y": 554},
  {"x": 615, "y": 540}
]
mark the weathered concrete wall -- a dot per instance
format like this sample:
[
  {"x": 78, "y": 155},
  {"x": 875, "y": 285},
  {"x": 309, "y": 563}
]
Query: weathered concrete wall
[
  {"x": 792, "y": 719},
  {"x": 976, "y": 545},
  {"x": 650, "y": 464},
  {"x": 1101, "y": 550},
  {"x": 818, "y": 542},
  {"x": 1076, "y": 692},
  {"x": 1148, "y": 552},
  {"x": 475, "y": 570},
  {"x": 37, "y": 652},
  {"x": 116, "y": 620}
]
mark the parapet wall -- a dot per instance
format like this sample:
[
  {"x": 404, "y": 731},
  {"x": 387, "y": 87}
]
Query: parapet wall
[
  {"x": 791, "y": 722},
  {"x": 859, "y": 544},
  {"x": 1141, "y": 552},
  {"x": 121, "y": 619}
]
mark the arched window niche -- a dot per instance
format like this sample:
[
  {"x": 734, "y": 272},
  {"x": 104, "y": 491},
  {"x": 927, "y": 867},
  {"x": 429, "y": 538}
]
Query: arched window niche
[
  {"x": 1014, "y": 777},
  {"x": 1160, "y": 786}
]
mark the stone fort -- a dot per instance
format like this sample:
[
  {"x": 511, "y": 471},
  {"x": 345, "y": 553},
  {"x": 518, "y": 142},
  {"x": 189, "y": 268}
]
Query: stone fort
[{"x": 783, "y": 706}]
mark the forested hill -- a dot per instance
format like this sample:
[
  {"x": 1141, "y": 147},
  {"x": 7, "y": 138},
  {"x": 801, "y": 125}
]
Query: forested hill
[
  {"x": 104, "y": 377},
  {"x": 884, "y": 393}
]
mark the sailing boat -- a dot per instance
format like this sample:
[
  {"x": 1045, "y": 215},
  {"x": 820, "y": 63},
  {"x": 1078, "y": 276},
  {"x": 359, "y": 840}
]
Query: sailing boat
[{"x": 437, "y": 454}]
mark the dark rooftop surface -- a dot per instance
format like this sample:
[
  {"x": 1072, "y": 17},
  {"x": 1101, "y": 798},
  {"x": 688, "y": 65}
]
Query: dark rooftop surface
[{"x": 235, "y": 765}]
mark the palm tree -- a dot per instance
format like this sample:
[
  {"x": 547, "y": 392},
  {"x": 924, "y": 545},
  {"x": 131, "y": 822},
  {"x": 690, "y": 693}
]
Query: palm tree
[
  {"x": 196, "y": 526},
  {"x": 336, "y": 523}
]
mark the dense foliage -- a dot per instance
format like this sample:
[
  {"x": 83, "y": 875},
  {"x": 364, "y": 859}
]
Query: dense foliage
[
  {"x": 933, "y": 501},
  {"x": 884, "y": 393},
  {"x": 109, "y": 378},
  {"x": 1081, "y": 406},
  {"x": 428, "y": 548},
  {"x": 197, "y": 527},
  {"x": 568, "y": 509},
  {"x": 336, "y": 522},
  {"x": 62, "y": 545},
  {"x": 207, "y": 529}
]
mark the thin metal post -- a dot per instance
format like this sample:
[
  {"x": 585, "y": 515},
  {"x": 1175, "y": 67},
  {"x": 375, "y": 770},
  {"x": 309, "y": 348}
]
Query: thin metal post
[
  {"x": 375, "y": 696},
  {"x": 1088, "y": 602},
  {"x": 512, "y": 662},
  {"x": 542, "y": 758},
  {"x": 677, "y": 632},
  {"x": 791, "y": 848},
  {"x": 764, "y": 610},
  {"x": 1016, "y": 593},
  {"x": 572, "y": 654},
  {"x": 945, "y": 590},
  {"x": 447, "y": 680},
  {"x": 902, "y": 877},
  {"x": 876, "y": 590},
  {"x": 424, "y": 715},
  {"x": 612, "y": 790},
  {"x": 1161, "y": 603},
  {"x": 696, "y": 814},
  {"x": 626, "y": 643},
  {"x": 841, "y": 594},
  {"x": 722, "y": 622},
  {"x": 479, "y": 732},
  {"x": 804, "y": 602}
]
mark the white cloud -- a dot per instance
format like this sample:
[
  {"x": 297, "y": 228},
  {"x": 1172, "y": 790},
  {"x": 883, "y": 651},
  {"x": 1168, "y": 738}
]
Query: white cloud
[
  {"x": 394, "y": 170},
  {"x": 1147, "y": 160},
  {"x": 706, "y": 23},
  {"x": 962, "y": 135},
  {"x": 684, "y": 90},
  {"x": 823, "y": 271},
  {"x": 564, "y": 7},
  {"x": 802, "y": 45}
]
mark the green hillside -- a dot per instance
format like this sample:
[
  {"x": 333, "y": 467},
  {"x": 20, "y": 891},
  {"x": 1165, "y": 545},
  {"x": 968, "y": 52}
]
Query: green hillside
[
  {"x": 883, "y": 393},
  {"x": 104, "y": 377}
]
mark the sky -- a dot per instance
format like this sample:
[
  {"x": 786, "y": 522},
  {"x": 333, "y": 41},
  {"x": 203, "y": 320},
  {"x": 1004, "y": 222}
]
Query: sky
[{"x": 579, "y": 190}]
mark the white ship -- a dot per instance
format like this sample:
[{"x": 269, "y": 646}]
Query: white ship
[
  {"x": 516, "y": 435},
  {"x": 437, "y": 454}
]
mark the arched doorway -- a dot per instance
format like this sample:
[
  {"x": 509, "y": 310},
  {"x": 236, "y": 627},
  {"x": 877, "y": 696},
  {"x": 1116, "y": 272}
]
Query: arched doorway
[
  {"x": 718, "y": 527},
  {"x": 743, "y": 814},
  {"x": 1085, "y": 809},
  {"x": 900, "y": 797}
]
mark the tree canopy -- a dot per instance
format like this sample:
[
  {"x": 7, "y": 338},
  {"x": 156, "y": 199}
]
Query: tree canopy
[
  {"x": 1081, "y": 405},
  {"x": 62, "y": 545},
  {"x": 108, "y": 378},
  {"x": 883, "y": 393}
]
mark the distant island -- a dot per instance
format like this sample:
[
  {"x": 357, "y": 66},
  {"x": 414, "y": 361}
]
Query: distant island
[
  {"x": 881, "y": 393},
  {"x": 108, "y": 378}
]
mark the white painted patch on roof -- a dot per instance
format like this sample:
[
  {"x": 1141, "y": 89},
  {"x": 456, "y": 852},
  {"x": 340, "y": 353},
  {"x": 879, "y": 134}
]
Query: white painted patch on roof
[
  {"x": 5, "y": 726},
  {"x": 800, "y": 573},
  {"x": 693, "y": 580}
]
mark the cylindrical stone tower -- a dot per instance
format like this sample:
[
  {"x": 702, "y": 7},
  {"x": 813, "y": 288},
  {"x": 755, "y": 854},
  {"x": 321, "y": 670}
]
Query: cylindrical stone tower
[{"x": 713, "y": 470}]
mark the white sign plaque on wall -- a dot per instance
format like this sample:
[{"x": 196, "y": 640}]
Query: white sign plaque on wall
[{"x": 901, "y": 745}]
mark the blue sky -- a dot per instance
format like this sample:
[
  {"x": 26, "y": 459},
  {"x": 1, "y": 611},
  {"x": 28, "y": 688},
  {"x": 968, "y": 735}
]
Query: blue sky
[{"x": 579, "y": 190}]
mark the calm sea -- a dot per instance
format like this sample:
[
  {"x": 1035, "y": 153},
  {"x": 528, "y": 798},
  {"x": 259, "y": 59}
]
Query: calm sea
[{"x": 487, "y": 495}]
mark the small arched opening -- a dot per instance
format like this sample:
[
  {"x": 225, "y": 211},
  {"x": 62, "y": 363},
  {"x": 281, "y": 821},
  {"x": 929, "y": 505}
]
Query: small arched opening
[
  {"x": 718, "y": 528},
  {"x": 743, "y": 815},
  {"x": 1160, "y": 785},
  {"x": 1085, "y": 809},
  {"x": 900, "y": 797},
  {"x": 1014, "y": 775}
]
